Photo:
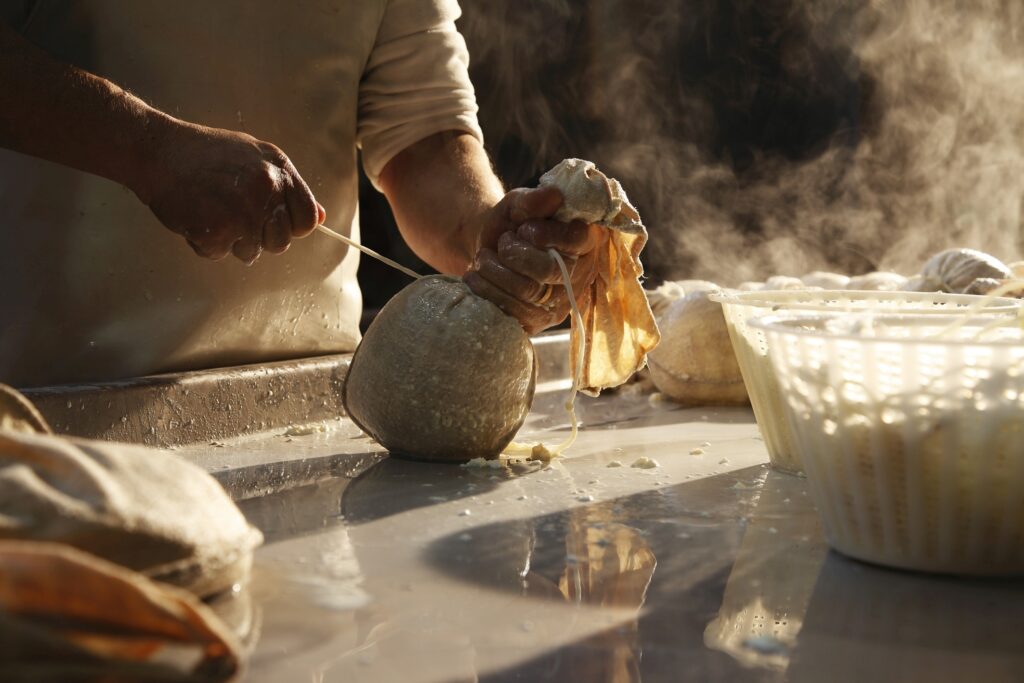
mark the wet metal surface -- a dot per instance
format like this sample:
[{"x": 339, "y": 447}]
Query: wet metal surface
[
  {"x": 286, "y": 458},
  {"x": 709, "y": 567},
  {"x": 195, "y": 408}
]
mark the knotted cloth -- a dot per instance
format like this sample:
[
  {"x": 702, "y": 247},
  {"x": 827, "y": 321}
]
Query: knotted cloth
[{"x": 618, "y": 325}]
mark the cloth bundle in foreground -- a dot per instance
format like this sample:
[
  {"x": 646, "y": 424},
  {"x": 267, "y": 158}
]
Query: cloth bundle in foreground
[
  {"x": 105, "y": 551},
  {"x": 144, "y": 509}
]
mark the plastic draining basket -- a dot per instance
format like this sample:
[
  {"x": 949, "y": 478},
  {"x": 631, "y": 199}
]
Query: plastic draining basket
[
  {"x": 911, "y": 432},
  {"x": 751, "y": 348}
]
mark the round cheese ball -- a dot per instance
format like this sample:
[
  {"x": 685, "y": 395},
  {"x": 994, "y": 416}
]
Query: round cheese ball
[
  {"x": 441, "y": 374},
  {"x": 954, "y": 270},
  {"x": 694, "y": 364}
]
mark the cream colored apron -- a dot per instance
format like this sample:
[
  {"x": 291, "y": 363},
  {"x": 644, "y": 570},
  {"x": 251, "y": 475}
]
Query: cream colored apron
[{"x": 94, "y": 288}]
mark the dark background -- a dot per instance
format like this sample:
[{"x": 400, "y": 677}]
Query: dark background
[{"x": 743, "y": 84}]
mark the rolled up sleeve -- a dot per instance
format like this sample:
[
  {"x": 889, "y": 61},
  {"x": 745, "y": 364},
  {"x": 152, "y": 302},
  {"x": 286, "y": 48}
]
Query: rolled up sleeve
[{"x": 416, "y": 82}]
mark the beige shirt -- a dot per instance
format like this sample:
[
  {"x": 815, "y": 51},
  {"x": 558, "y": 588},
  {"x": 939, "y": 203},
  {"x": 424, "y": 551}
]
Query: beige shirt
[{"x": 94, "y": 288}]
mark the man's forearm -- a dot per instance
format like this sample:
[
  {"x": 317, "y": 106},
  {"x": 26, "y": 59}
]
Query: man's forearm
[
  {"x": 57, "y": 112},
  {"x": 439, "y": 189}
]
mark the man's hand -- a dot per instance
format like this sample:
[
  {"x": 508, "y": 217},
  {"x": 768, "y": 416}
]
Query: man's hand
[
  {"x": 224, "y": 192},
  {"x": 514, "y": 269},
  {"x": 227, "y": 192},
  {"x": 455, "y": 215}
]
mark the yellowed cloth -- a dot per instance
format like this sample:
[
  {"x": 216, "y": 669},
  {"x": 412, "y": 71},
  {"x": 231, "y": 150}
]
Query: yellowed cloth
[
  {"x": 618, "y": 324},
  {"x": 17, "y": 414},
  {"x": 66, "y": 615}
]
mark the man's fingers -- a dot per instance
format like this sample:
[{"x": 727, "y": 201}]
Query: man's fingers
[
  {"x": 212, "y": 252},
  {"x": 247, "y": 250},
  {"x": 277, "y": 230},
  {"x": 540, "y": 202},
  {"x": 532, "y": 318},
  {"x": 568, "y": 238},
  {"x": 524, "y": 258},
  {"x": 213, "y": 244},
  {"x": 304, "y": 211},
  {"x": 502, "y": 299},
  {"x": 519, "y": 286}
]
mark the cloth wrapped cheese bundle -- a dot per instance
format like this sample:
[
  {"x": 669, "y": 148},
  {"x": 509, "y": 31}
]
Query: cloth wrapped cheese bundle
[
  {"x": 957, "y": 270},
  {"x": 92, "y": 535},
  {"x": 444, "y": 375},
  {"x": 441, "y": 374},
  {"x": 144, "y": 509},
  {"x": 695, "y": 363}
]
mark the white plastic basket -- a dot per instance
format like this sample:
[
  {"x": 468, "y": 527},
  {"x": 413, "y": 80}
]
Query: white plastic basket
[
  {"x": 911, "y": 432},
  {"x": 752, "y": 353}
]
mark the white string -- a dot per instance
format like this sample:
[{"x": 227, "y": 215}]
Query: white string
[
  {"x": 576, "y": 334},
  {"x": 369, "y": 252}
]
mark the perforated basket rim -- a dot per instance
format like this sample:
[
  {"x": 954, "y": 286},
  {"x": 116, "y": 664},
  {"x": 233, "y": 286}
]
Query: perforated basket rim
[
  {"x": 775, "y": 297},
  {"x": 785, "y": 324}
]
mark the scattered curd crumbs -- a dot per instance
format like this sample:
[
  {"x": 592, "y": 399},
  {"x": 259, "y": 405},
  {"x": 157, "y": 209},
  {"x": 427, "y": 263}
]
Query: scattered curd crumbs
[
  {"x": 696, "y": 451},
  {"x": 541, "y": 453},
  {"x": 482, "y": 462},
  {"x": 645, "y": 463},
  {"x": 614, "y": 463},
  {"x": 305, "y": 430}
]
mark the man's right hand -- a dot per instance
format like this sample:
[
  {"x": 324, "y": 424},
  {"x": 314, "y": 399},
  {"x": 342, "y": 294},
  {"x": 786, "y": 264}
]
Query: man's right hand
[{"x": 226, "y": 192}]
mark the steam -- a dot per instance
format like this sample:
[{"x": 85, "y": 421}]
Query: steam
[{"x": 764, "y": 137}]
